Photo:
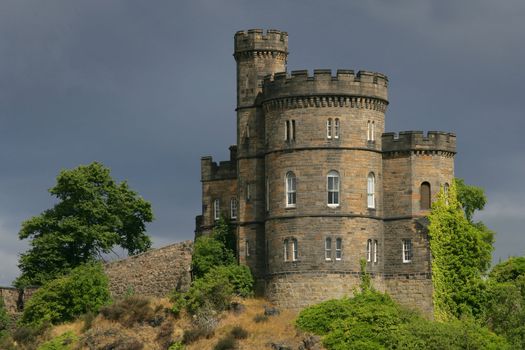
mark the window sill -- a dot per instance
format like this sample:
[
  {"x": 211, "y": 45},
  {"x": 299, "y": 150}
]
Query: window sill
[
  {"x": 290, "y": 207},
  {"x": 407, "y": 262},
  {"x": 333, "y": 206}
]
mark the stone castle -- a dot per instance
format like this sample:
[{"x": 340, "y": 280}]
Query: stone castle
[{"x": 314, "y": 184}]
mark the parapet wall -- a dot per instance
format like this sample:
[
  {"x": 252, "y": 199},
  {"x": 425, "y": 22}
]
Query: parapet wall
[
  {"x": 225, "y": 170},
  {"x": 258, "y": 40},
  {"x": 417, "y": 141},
  {"x": 323, "y": 83},
  {"x": 153, "y": 273},
  {"x": 14, "y": 299}
]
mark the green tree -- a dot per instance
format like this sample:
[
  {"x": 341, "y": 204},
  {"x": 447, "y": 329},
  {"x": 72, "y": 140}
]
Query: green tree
[
  {"x": 84, "y": 290},
  {"x": 472, "y": 198},
  {"x": 508, "y": 271},
  {"x": 4, "y": 319},
  {"x": 93, "y": 214},
  {"x": 460, "y": 255}
]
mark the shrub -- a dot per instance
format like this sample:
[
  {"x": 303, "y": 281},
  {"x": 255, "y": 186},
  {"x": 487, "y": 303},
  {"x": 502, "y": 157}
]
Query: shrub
[
  {"x": 129, "y": 311},
  {"x": 208, "y": 252},
  {"x": 84, "y": 290},
  {"x": 176, "y": 346},
  {"x": 213, "y": 291},
  {"x": 239, "y": 333},
  {"x": 165, "y": 335},
  {"x": 29, "y": 334},
  {"x": 260, "y": 318},
  {"x": 226, "y": 343},
  {"x": 193, "y": 334},
  {"x": 5, "y": 320},
  {"x": 372, "y": 320},
  {"x": 239, "y": 276},
  {"x": 62, "y": 342}
]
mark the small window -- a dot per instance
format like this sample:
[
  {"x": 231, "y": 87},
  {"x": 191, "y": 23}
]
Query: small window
[
  {"x": 333, "y": 188},
  {"x": 285, "y": 250},
  {"x": 247, "y": 248},
  {"x": 369, "y": 250},
  {"x": 216, "y": 209},
  {"x": 336, "y": 128},
  {"x": 328, "y": 249},
  {"x": 407, "y": 250},
  {"x": 425, "y": 196},
  {"x": 338, "y": 249},
  {"x": 370, "y": 131},
  {"x": 329, "y": 128},
  {"x": 371, "y": 199},
  {"x": 287, "y": 130},
  {"x": 233, "y": 208},
  {"x": 248, "y": 192},
  {"x": 293, "y": 130},
  {"x": 375, "y": 250},
  {"x": 291, "y": 192},
  {"x": 295, "y": 250},
  {"x": 445, "y": 192}
]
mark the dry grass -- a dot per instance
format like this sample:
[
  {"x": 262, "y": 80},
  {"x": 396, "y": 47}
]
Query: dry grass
[{"x": 278, "y": 329}]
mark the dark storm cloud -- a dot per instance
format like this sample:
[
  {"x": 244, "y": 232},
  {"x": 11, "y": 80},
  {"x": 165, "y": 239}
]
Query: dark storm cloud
[{"x": 148, "y": 87}]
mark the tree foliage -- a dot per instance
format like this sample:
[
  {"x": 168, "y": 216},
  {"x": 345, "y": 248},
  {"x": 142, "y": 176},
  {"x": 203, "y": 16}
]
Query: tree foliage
[
  {"x": 508, "y": 271},
  {"x": 84, "y": 290},
  {"x": 4, "y": 319},
  {"x": 93, "y": 214},
  {"x": 470, "y": 197},
  {"x": 460, "y": 255}
]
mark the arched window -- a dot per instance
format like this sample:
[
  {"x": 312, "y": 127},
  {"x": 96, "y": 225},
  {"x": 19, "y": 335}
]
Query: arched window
[
  {"x": 233, "y": 208},
  {"x": 370, "y": 188},
  {"x": 425, "y": 196},
  {"x": 328, "y": 248},
  {"x": 336, "y": 128},
  {"x": 371, "y": 129},
  {"x": 445, "y": 192},
  {"x": 333, "y": 188},
  {"x": 285, "y": 250},
  {"x": 329, "y": 128},
  {"x": 375, "y": 250},
  {"x": 291, "y": 188},
  {"x": 216, "y": 209},
  {"x": 295, "y": 250},
  {"x": 369, "y": 250},
  {"x": 338, "y": 249}
]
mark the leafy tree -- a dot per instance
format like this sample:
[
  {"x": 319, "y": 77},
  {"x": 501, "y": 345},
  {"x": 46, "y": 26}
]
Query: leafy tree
[
  {"x": 213, "y": 250},
  {"x": 472, "y": 198},
  {"x": 93, "y": 214},
  {"x": 84, "y": 290},
  {"x": 508, "y": 271},
  {"x": 460, "y": 254}
]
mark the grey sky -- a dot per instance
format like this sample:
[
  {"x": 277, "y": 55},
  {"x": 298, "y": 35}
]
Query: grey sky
[{"x": 147, "y": 87}]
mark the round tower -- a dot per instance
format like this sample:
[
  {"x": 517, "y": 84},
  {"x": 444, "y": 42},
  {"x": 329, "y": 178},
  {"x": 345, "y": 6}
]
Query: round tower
[
  {"x": 257, "y": 54},
  {"x": 324, "y": 180}
]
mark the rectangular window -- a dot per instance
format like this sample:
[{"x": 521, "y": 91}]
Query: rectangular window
[
  {"x": 407, "y": 250},
  {"x": 329, "y": 128},
  {"x": 247, "y": 248},
  {"x": 336, "y": 128},
  {"x": 295, "y": 248},
  {"x": 233, "y": 208},
  {"x": 375, "y": 251},
  {"x": 267, "y": 194},
  {"x": 216, "y": 209},
  {"x": 372, "y": 135},
  {"x": 291, "y": 190},
  {"x": 328, "y": 249},
  {"x": 333, "y": 188},
  {"x": 338, "y": 249},
  {"x": 369, "y": 250},
  {"x": 293, "y": 130},
  {"x": 248, "y": 192},
  {"x": 287, "y": 130}
]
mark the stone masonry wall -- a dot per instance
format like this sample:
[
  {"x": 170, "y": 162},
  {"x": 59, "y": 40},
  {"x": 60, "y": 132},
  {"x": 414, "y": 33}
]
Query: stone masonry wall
[
  {"x": 14, "y": 299},
  {"x": 153, "y": 273}
]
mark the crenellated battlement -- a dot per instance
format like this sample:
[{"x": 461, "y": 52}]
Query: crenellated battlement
[
  {"x": 418, "y": 141},
  {"x": 225, "y": 170},
  {"x": 322, "y": 83},
  {"x": 257, "y": 40}
]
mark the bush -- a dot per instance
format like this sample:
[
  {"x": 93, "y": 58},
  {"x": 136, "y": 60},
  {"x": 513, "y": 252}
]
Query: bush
[
  {"x": 193, "y": 334},
  {"x": 239, "y": 276},
  {"x": 239, "y": 333},
  {"x": 84, "y": 290},
  {"x": 5, "y": 320},
  {"x": 213, "y": 291},
  {"x": 208, "y": 252},
  {"x": 260, "y": 318},
  {"x": 176, "y": 346},
  {"x": 226, "y": 343},
  {"x": 129, "y": 311},
  {"x": 62, "y": 342},
  {"x": 372, "y": 320}
]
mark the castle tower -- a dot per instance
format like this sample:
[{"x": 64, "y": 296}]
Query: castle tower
[
  {"x": 317, "y": 236},
  {"x": 257, "y": 54}
]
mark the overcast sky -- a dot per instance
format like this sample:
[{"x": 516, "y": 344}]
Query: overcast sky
[{"x": 148, "y": 87}]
